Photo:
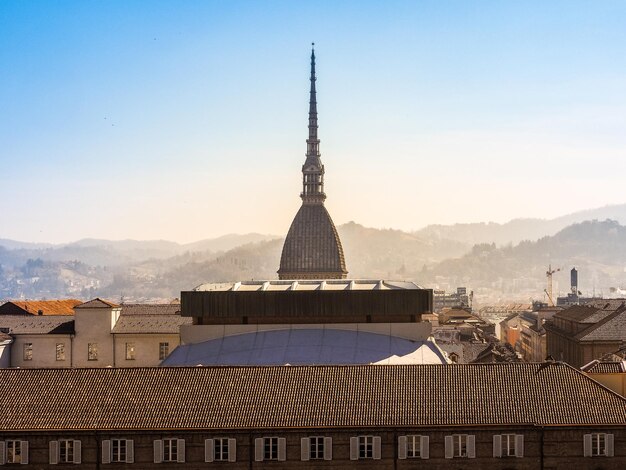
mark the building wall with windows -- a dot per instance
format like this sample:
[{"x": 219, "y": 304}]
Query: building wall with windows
[
  {"x": 143, "y": 350},
  {"x": 97, "y": 335},
  {"x": 47, "y": 350},
  {"x": 93, "y": 342},
  {"x": 496, "y": 448},
  {"x": 374, "y": 417}
]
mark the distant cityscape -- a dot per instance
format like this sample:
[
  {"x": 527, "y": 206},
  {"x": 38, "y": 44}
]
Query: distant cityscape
[{"x": 465, "y": 346}]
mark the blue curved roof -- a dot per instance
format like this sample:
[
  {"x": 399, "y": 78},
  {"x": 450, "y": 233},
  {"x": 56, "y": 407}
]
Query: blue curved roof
[{"x": 315, "y": 346}]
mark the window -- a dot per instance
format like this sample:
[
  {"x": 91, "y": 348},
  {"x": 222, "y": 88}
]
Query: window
[
  {"x": 460, "y": 446},
  {"x": 28, "y": 352},
  {"x": 413, "y": 447},
  {"x": 60, "y": 351},
  {"x": 118, "y": 450},
  {"x": 14, "y": 452},
  {"x": 220, "y": 452},
  {"x": 130, "y": 351},
  {"x": 170, "y": 450},
  {"x": 270, "y": 448},
  {"x": 92, "y": 351},
  {"x": 508, "y": 445},
  {"x": 316, "y": 448},
  {"x": 167, "y": 450},
  {"x": 222, "y": 449},
  {"x": 66, "y": 451},
  {"x": 164, "y": 350},
  {"x": 598, "y": 445},
  {"x": 366, "y": 447}
]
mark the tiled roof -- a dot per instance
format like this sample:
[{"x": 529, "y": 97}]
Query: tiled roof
[
  {"x": 599, "y": 367},
  {"x": 606, "y": 304},
  {"x": 38, "y": 325},
  {"x": 308, "y": 396},
  {"x": 46, "y": 307},
  {"x": 151, "y": 309},
  {"x": 145, "y": 323},
  {"x": 610, "y": 328},
  {"x": 578, "y": 313},
  {"x": 97, "y": 303}
]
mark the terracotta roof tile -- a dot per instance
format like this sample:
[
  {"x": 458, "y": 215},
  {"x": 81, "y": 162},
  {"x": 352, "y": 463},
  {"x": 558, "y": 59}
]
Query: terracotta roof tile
[
  {"x": 46, "y": 307},
  {"x": 308, "y": 396}
]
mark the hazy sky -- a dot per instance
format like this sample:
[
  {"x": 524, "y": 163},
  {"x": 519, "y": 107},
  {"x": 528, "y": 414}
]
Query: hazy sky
[{"x": 185, "y": 120}]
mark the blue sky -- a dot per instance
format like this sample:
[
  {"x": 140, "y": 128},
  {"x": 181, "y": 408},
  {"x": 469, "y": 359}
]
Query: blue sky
[{"x": 185, "y": 120}]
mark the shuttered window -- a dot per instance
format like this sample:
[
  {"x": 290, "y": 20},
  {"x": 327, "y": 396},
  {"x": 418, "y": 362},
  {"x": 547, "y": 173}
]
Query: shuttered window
[
  {"x": 65, "y": 451},
  {"x": 598, "y": 445},
  {"x": 413, "y": 447},
  {"x": 16, "y": 451},
  {"x": 460, "y": 446},
  {"x": 508, "y": 445},
  {"x": 220, "y": 449},
  {"x": 365, "y": 447},
  {"x": 316, "y": 448},
  {"x": 118, "y": 450},
  {"x": 270, "y": 448}
]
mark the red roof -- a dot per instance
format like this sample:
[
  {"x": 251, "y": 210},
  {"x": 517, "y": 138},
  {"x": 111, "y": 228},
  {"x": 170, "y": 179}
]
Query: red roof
[{"x": 43, "y": 307}]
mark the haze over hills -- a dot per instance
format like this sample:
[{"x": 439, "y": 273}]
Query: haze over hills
[
  {"x": 494, "y": 264},
  {"x": 517, "y": 230}
]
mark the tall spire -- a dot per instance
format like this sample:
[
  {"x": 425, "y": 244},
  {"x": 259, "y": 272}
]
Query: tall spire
[
  {"x": 313, "y": 170},
  {"x": 312, "y": 249},
  {"x": 313, "y": 142}
]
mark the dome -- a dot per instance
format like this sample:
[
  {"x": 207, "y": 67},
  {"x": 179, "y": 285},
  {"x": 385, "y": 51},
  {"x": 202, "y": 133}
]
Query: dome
[
  {"x": 312, "y": 346},
  {"x": 312, "y": 249}
]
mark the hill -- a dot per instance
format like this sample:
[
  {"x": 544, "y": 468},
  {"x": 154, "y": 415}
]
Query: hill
[{"x": 518, "y": 230}]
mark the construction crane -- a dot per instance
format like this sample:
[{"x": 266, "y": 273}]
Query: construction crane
[{"x": 548, "y": 291}]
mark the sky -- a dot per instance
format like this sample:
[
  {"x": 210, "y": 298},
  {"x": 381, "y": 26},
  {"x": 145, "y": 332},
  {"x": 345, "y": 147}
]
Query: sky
[{"x": 184, "y": 120}]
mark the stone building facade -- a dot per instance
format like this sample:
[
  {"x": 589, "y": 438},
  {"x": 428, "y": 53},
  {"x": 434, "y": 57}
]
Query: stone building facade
[
  {"x": 581, "y": 333},
  {"x": 97, "y": 334},
  {"x": 375, "y": 417}
]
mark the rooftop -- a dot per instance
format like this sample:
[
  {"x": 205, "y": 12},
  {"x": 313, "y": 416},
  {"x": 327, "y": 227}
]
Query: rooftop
[
  {"x": 308, "y": 285},
  {"x": 304, "y": 396},
  {"x": 37, "y": 325},
  {"x": 149, "y": 323},
  {"x": 40, "y": 307},
  {"x": 151, "y": 309}
]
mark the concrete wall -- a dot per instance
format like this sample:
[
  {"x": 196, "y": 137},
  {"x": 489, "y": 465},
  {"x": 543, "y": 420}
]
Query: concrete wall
[
  {"x": 146, "y": 348},
  {"x": 44, "y": 351},
  {"x": 93, "y": 325}
]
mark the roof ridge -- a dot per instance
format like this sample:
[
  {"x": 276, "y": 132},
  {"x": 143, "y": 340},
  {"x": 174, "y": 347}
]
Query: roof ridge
[{"x": 590, "y": 329}]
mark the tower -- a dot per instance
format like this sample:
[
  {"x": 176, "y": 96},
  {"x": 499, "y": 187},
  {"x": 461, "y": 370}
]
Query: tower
[{"x": 312, "y": 249}]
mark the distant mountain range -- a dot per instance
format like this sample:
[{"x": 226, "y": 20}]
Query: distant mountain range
[
  {"x": 498, "y": 261},
  {"x": 518, "y": 230}
]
